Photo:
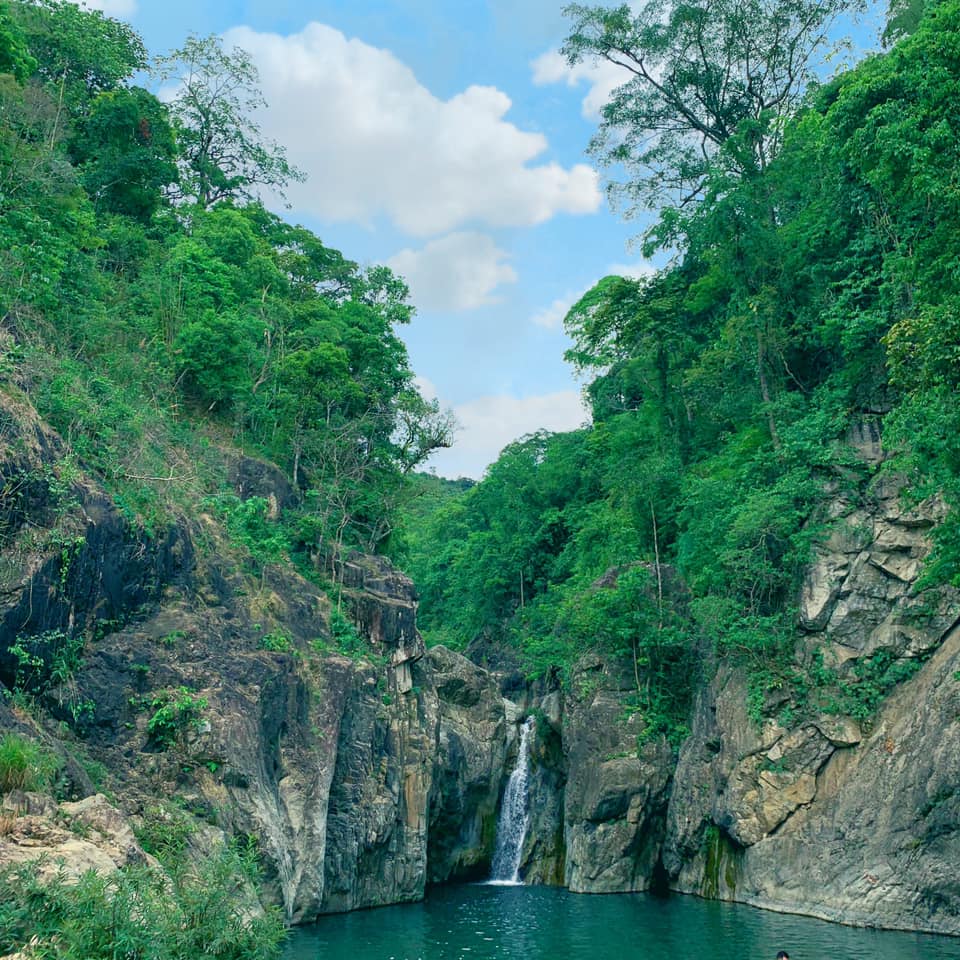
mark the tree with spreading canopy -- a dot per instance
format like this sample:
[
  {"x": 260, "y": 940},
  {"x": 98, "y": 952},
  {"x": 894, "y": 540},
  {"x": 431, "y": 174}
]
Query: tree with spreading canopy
[
  {"x": 706, "y": 85},
  {"x": 224, "y": 155}
]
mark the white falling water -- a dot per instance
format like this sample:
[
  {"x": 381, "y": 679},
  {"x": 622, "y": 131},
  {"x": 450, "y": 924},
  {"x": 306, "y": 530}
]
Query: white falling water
[{"x": 514, "y": 815}]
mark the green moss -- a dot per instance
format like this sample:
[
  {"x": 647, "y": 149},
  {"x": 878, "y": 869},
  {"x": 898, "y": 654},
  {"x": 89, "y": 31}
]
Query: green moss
[
  {"x": 721, "y": 863},
  {"x": 488, "y": 833}
]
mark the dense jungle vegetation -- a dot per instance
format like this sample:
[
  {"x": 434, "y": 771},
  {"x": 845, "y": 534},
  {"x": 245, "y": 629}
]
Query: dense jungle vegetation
[
  {"x": 157, "y": 314},
  {"x": 162, "y": 319},
  {"x": 167, "y": 324},
  {"x": 812, "y": 288}
]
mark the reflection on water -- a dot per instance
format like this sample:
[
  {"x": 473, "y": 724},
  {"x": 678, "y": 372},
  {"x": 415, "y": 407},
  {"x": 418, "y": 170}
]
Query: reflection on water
[{"x": 488, "y": 921}]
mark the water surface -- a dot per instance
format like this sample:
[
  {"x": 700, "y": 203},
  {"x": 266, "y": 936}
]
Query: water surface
[{"x": 483, "y": 922}]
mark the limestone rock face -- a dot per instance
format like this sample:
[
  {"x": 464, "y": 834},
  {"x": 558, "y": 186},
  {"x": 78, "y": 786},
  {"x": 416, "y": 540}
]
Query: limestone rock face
[
  {"x": 828, "y": 818},
  {"x": 470, "y": 762},
  {"x": 615, "y": 800}
]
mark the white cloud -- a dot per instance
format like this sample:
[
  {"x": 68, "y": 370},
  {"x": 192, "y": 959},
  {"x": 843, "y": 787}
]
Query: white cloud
[
  {"x": 551, "y": 318},
  {"x": 490, "y": 423},
  {"x": 635, "y": 271},
  {"x": 375, "y": 142},
  {"x": 112, "y": 8},
  {"x": 601, "y": 78},
  {"x": 426, "y": 387},
  {"x": 456, "y": 272}
]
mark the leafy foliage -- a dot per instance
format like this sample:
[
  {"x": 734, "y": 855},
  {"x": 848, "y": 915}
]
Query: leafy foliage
[
  {"x": 25, "y": 764},
  {"x": 154, "y": 334},
  {"x": 706, "y": 87},
  {"x": 174, "y": 715},
  {"x": 198, "y": 910},
  {"x": 223, "y": 153},
  {"x": 814, "y": 291}
]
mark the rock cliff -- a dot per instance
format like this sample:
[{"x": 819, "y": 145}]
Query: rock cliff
[
  {"x": 158, "y": 668},
  {"x": 851, "y": 822}
]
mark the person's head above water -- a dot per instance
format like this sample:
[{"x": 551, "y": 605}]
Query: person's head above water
[{"x": 783, "y": 955}]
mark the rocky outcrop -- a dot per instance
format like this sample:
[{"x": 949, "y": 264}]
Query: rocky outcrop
[
  {"x": 382, "y": 603},
  {"x": 365, "y": 778},
  {"x": 471, "y": 759},
  {"x": 376, "y": 843},
  {"x": 616, "y": 797},
  {"x": 828, "y": 817},
  {"x": 67, "y": 839},
  {"x": 544, "y": 855},
  {"x": 183, "y": 683}
]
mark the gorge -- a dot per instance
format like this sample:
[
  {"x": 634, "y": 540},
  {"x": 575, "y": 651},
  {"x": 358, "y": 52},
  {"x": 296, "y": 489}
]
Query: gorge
[
  {"x": 259, "y": 667},
  {"x": 365, "y": 779}
]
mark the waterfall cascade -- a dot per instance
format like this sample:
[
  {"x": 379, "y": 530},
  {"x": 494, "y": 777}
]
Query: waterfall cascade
[{"x": 514, "y": 815}]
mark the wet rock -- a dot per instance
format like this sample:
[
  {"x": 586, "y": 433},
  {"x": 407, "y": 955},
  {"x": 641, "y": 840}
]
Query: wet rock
[
  {"x": 471, "y": 759},
  {"x": 615, "y": 800}
]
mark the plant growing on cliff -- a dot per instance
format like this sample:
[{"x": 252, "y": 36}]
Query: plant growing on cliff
[
  {"x": 175, "y": 714},
  {"x": 252, "y": 528},
  {"x": 25, "y": 764},
  {"x": 276, "y": 642},
  {"x": 164, "y": 831},
  {"x": 200, "y": 907},
  {"x": 863, "y": 689}
]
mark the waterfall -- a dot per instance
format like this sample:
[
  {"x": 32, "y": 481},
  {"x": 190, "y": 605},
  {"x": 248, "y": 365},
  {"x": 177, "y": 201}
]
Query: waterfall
[{"x": 514, "y": 815}]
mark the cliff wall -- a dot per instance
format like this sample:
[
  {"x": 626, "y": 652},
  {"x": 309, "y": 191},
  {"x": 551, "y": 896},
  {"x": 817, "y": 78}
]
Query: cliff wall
[{"x": 154, "y": 668}]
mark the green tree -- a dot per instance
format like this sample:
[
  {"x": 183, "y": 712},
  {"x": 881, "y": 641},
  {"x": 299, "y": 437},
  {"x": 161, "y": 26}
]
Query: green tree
[
  {"x": 126, "y": 152},
  {"x": 705, "y": 85},
  {"x": 80, "y": 53},
  {"x": 223, "y": 153},
  {"x": 903, "y": 17},
  {"x": 15, "y": 56}
]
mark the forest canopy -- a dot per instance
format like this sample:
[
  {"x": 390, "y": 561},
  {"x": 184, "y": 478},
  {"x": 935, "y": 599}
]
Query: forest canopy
[
  {"x": 812, "y": 298},
  {"x": 156, "y": 310}
]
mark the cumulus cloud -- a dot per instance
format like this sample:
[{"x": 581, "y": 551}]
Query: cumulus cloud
[
  {"x": 112, "y": 8},
  {"x": 601, "y": 79},
  {"x": 374, "y": 141},
  {"x": 551, "y": 318},
  {"x": 457, "y": 272},
  {"x": 635, "y": 271},
  {"x": 426, "y": 387},
  {"x": 488, "y": 424}
]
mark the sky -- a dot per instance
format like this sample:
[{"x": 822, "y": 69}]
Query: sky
[{"x": 445, "y": 138}]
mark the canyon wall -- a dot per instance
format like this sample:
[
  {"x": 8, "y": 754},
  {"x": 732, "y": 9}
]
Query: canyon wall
[{"x": 364, "y": 778}]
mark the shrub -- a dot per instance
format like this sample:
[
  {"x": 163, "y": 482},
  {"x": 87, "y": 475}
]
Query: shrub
[
  {"x": 345, "y": 635},
  {"x": 25, "y": 765},
  {"x": 201, "y": 910},
  {"x": 174, "y": 714},
  {"x": 165, "y": 832},
  {"x": 275, "y": 642}
]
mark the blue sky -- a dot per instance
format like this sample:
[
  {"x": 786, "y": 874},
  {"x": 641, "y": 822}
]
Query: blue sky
[{"x": 446, "y": 139}]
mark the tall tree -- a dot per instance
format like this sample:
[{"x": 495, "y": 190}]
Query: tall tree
[
  {"x": 703, "y": 83},
  {"x": 225, "y": 155},
  {"x": 903, "y": 17},
  {"x": 125, "y": 149},
  {"x": 79, "y": 52}
]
